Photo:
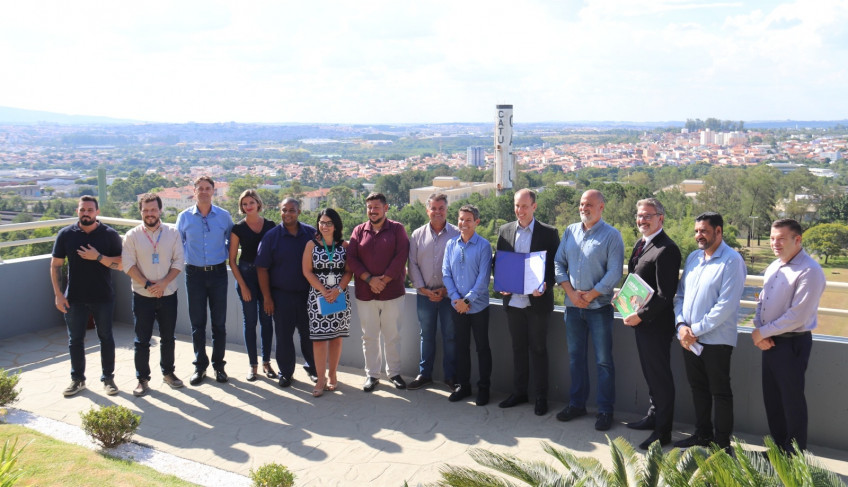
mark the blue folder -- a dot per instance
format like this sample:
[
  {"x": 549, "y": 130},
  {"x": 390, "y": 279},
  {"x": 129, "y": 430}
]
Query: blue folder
[
  {"x": 327, "y": 308},
  {"x": 519, "y": 273}
]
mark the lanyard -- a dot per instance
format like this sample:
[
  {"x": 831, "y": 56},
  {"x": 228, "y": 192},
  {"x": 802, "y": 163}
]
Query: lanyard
[
  {"x": 331, "y": 252},
  {"x": 151, "y": 240}
]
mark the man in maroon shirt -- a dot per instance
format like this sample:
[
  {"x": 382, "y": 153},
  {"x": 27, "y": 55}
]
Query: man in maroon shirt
[{"x": 377, "y": 256}]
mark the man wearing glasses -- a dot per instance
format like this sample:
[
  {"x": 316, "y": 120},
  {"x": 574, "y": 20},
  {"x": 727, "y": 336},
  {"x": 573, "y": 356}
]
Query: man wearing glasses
[
  {"x": 284, "y": 289},
  {"x": 205, "y": 232}
]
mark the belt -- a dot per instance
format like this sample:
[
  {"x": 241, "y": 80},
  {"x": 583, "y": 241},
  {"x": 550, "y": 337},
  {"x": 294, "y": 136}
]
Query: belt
[
  {"x": 790, "y": 334},
  {"x": 207, "y": 268}
]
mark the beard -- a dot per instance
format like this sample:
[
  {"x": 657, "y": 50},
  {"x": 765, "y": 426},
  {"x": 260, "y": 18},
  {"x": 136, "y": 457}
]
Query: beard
[
  {"x": 87, "y": 221},
  {"x": 584, "y": 218},
  {"x": 148, "y": 224}
]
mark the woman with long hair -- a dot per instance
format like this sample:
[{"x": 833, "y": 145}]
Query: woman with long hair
[
  {"x": 248, "y": 233},
  {"x": 325, "y": 267}
]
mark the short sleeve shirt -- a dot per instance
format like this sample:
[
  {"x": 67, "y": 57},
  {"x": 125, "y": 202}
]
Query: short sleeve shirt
[
  {"x": 89, "y": 281},
  {"x": 249, "y": 240}
]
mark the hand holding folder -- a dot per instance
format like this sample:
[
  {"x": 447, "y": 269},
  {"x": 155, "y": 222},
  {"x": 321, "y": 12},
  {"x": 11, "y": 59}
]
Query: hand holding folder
[{"x": 520, "y": 273}]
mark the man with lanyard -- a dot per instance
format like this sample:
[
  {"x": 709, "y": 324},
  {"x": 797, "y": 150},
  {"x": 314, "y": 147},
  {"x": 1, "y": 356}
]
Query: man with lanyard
[
  {"x": 284, "y": 289},
  {"x": 153, "y": 257},
  {"x": 527, "y": 315},
  {"x": 93, "y": 249},
  {"x": 589, "y": 264},
  {"x": 426, "y": 253},
  {"x": 786, "y": 315},
  {"x": 205, "y": 232}
]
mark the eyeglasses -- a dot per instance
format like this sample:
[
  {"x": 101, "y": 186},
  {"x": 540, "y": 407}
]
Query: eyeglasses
[
  {"x": 205, "y": 224},
  {"x": 325, "y": 224},
  {"x": 646, "y": 216}
]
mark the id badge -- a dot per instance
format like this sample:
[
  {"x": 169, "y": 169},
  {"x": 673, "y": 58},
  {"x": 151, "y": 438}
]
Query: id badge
[
  {"x": 331, "y": 280},
  {"x": 156, "y": 258}
]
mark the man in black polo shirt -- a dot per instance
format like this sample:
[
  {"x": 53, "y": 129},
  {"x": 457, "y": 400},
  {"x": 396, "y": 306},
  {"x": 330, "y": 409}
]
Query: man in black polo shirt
[{"x": 93, "y": 249}]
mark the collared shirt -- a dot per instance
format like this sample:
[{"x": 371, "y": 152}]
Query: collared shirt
[
  {"x": 708, "y": 295},
  {"x": 523, "y": 237},
  {"x": 138, "y": 251},
  {"x": 282, "y": 254},
  {"x": 89, "y": 281},
  {"x": 378, "y": 253},
  {"x": 790, "y": 297},
  {"x": 426, "y": 253},
  {"x": 648, "y": 238},
  {"x": 205, "y": 239},
  {"x": 590, "y": 259},
  {"x": 466, "y": 269}
]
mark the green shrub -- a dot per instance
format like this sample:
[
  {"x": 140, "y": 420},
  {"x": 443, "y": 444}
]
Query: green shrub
[
  {"x": 8, "y": 382},
  {"x": 272, "y": 475},
  {"x": 110, "y": 425},
  {"x": 8, "y": 459}
]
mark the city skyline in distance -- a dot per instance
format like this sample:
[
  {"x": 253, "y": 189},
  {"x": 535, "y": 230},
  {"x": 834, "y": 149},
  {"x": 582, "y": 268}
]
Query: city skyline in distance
[{"x": 377, "y": 62}]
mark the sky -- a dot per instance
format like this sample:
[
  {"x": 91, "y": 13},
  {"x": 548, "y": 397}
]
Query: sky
[{"x": 439, "y": 61}]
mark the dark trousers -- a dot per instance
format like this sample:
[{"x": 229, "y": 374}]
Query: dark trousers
[
  {"x": 529, "y": 333},
  {"x": 464, "y": 325},
  {"x": 145, "y": 311},
  {"x": 253, "y": 311},
  {"x": 77, "y": 319},
  {"x": 655, "y": 359},
  {"x": 784, "y": 366},
  {"x": 290, "y": 315},
  {"x": 709, "y": 377},
  {"x": 202, "y": 288}
]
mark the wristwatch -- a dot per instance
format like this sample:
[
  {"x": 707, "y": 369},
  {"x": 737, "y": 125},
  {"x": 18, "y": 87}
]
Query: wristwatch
[
  {"x": 147, "y": 284},
  {"x": 466, "y": 301},
  {"x": 99, "y": 257}
]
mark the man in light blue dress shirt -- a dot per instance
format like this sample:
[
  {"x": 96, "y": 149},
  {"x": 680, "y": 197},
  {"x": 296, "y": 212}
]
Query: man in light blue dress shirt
[
  {"x": 706, "y": 308},
  {"x": 205, "y": 232},
  {"x": 588, "y": 265},
  {"x": 465, "y": 273}
]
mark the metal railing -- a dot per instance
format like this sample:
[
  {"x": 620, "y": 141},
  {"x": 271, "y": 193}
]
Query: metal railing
[{"x": 750, "y": 280}]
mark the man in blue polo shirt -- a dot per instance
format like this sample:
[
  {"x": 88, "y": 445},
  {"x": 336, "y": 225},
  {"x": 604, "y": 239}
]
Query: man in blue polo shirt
[
  {"x": 279, "y": 267},
  {"x": 205, "y": 231},
  {"x": 93, "y": 249}
]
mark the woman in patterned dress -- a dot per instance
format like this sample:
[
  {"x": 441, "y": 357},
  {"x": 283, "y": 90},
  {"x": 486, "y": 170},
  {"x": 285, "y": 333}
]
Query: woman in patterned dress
[
  {"x": 325, "y": 267},
  {"x": 247, "y": 234}
]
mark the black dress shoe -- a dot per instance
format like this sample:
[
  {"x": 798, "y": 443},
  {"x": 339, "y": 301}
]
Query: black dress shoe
[
  {"x": 482, "y": 396},
  {"x": 221, "y": 376},
  {"x": 694, "y": 440},
  {"x": 285, "y": 381},
  {"x": 663, "y": 438},
  {"x": 370, "y": 384},
  {"x": 541, "y": 406},
  {"x": 460, "y": 393},
  {"x": 646, "y": 423},
  {"x": 419, "y": 382},
  {"x": 398, "y": 381},
  {"x": 197, "y": 377},
  {"x": 451, "y": 384},
  {"x": 513, "y": 400},
  {"x": 604, "y": 421},
  {"x": 570, "y": 412}
]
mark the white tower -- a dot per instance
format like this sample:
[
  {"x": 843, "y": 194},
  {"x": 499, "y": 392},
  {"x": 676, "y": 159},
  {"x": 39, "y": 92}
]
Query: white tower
[{"x": 504, "y": 159}]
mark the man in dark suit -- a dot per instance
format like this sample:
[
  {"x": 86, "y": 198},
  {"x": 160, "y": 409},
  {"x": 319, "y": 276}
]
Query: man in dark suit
[
  {"x": 527, "y": 314},
  {"x": 656, "y": 259}
]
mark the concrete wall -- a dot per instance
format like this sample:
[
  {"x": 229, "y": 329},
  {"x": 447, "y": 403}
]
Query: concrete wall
[{"x": 27, "y": 306}]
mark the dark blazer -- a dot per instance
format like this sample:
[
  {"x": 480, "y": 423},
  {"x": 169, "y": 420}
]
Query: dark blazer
[
  {"x": 545, "y": 237},
  {"x": 659, "y": 266}
]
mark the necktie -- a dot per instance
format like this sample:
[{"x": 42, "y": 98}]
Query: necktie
[{"x": 639, "y": 246}]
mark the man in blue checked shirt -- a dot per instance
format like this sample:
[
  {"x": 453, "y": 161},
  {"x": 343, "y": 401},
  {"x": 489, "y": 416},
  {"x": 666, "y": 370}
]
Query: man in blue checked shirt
[
  {"x": 466, "y": 270},
  {"x": 205, "y": 231},
  {"x": 588, "y": 265}
]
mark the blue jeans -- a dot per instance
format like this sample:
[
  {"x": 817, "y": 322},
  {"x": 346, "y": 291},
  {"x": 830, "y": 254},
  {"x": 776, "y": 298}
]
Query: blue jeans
[
  {"x": 429, "y": 315},
  {"x": 77, "y": 319},
  {"x": 579, "y": 323},
  {"x": 202, "y": 287},
  {"x": 145, "y": 311},
  {"x": 254, "y": 311}
]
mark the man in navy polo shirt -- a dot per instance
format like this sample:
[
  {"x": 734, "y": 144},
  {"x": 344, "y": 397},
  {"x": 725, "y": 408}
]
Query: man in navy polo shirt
[
  {"x": 205, "y": 231},
  {"x": 93, "y": 249},
  {"x": 279, "y": 267}
]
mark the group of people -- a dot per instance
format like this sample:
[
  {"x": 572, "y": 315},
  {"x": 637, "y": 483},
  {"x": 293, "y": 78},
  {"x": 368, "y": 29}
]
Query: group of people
[{"x": 294, "y": 276}]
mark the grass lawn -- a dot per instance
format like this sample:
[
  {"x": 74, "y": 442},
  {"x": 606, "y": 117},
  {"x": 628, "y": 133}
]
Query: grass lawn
[{"x": 47, "y": 461}]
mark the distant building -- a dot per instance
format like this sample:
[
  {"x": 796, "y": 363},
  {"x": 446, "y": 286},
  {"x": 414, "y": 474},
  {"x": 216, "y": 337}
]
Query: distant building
[
  {"x": 454, "y": 189},
  {"x": 689, "y": 187},
  {"x": 313, "y": 199},
  {"x": 476, "y": 156}
]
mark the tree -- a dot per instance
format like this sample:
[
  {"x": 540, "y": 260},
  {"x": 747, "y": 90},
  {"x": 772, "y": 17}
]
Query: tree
[
  {"x": 834, "y": 209},
  {"x": 827, "y": 239}
]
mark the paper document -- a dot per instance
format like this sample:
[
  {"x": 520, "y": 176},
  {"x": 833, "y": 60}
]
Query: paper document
[
  {"x": 633, "y": 295},
  {"x": 327, "y": 308},
  {"x": 519, "y": 273}
]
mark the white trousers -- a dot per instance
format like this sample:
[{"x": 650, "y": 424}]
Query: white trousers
[{"x": 380, "y": 318}]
